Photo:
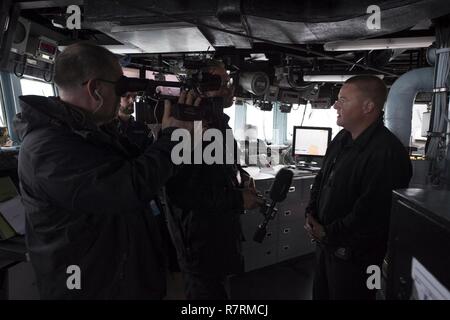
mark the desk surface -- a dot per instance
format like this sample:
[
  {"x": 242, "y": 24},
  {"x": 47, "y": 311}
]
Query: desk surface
[
  {"x": 270, "y": 173},
  {"x": 435, "y": 202}
]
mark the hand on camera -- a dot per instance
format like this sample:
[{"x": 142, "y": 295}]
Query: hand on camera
[{"x": 186, "y": 98}]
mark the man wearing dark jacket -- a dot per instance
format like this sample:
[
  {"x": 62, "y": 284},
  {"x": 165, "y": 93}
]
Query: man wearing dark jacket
[
  {"x": 349, "y": 210},
  {"x": 85, "y": 194},
  {"x": 137, "y": 132},
  {"x": 206, "y": 202}
]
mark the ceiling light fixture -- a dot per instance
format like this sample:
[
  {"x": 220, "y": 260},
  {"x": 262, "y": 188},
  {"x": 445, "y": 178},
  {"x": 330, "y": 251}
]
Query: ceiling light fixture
[
  {"x": 332, "y": 77},
  {"x": 380, "y": 44}
]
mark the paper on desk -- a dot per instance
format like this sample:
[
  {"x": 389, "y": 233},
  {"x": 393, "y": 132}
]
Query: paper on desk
[
  {"x": 257, "y": 173},
  {"x": 278, "y": 167},
  {"x": 252, "y": 171},
  {"x": 14, "y": 212},
  {"x": 263, "y": 176},
  {"x": 267, "y": 170},
  {"x": 425, "y": 285}
]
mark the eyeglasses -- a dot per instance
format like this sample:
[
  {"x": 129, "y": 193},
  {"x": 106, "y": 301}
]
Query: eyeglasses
[
  {"x": 99, "y": 79},
  {"x": 104, "y": 80}
]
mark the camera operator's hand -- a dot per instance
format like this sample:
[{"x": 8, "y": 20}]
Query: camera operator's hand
[
  {"x": 248, "y": 182},
  {"x": 251, "y": 198},
  {"x": 190, "y": 99}
]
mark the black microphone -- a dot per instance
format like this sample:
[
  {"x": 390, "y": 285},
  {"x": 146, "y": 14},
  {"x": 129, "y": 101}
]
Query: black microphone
[
  {"x": 281, "y": 185},
  {"x": 278, "y": 192}
]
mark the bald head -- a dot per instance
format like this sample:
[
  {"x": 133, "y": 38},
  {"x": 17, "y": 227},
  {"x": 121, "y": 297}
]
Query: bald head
[
  {"x": 83, "y": 61},
  {"x": 370, "y": 87},
  {"x": 86, "y": 75},
  {"x": 360, "y": 103}
]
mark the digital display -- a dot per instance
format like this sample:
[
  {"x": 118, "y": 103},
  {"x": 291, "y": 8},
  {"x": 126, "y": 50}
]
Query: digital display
[
  {"x": 311, "y": 141},
  {"x": 48, "y": 48},
  {"x": 169, "y": 91}
]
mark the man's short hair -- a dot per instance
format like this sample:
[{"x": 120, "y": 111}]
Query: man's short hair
[
  {"x": 83, "y": 61},
  {"x": 371, "y": 87}
]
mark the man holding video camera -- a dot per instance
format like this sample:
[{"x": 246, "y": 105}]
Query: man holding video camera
[
  {"x": 206, "y": 202},
  {"x": 88, "y": 230}
]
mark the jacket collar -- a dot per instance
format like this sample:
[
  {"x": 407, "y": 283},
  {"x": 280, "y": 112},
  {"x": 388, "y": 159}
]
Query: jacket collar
[{"x": 40, "y": 111}]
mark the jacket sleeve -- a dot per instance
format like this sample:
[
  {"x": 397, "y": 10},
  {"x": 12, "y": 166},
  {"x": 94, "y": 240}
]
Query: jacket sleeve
[
  {"x": 369, "y": 218},
  {"x": 312, "y": 206},
  {"x": 70, "y": 173},
  {"x": 314, "y": 195}
]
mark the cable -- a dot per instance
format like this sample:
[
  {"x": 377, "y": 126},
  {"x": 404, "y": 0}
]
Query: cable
[
  {"x": 357, "y": 61},
  {"x": 438, "y": 143},
  {"x": 17, "y": 74},
  {"x": 154, "y": 111},
  {"x": 49, "y": 80},
  {"x": 278, "y": 44},
  {"x": 156, "y": 108},
  {"x": 303, "y": 117}
]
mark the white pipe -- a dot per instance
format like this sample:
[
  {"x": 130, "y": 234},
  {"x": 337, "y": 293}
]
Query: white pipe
[{"x": 400, "y": 101}]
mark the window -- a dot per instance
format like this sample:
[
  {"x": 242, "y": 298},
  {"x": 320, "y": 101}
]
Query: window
[
  {"x": 295, "y": 118},
  {"x": 231, "y": 113},
  {"x": 131, "y": 73},
  {"x": 417, "y": 140},
  {"x": 306, "y": 116},
  {"x": 36, "y": 87},
  {"x": 263, "y": 120}
]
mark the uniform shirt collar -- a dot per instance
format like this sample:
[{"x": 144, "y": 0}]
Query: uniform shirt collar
[{"x": 363, "y": 139}]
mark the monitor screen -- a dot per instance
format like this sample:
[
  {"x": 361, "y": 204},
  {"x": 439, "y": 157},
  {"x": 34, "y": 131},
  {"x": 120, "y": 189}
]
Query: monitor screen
[{"x": 311, "y": 141}]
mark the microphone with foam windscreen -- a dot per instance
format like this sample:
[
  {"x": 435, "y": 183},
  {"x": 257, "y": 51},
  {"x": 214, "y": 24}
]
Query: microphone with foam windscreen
[{"x": 278, "y": 193}]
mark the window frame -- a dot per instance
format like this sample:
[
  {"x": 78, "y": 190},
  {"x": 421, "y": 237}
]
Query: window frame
[{"x": 3, "y": 116}]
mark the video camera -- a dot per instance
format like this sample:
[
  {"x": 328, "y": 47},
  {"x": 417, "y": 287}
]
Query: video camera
[{"x": 197, "y": 79}]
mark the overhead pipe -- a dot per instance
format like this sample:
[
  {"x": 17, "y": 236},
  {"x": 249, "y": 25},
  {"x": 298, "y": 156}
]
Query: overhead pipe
[{"x": 400, "y": 101}]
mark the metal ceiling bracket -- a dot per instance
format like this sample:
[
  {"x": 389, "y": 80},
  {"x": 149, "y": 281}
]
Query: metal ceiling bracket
[{"x": 230, "y": 15}]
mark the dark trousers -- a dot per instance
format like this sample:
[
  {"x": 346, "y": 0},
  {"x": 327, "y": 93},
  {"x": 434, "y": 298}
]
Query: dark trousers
[
  {"x": 341, "y": 279},
  {"x": 204, "y": 286}
]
